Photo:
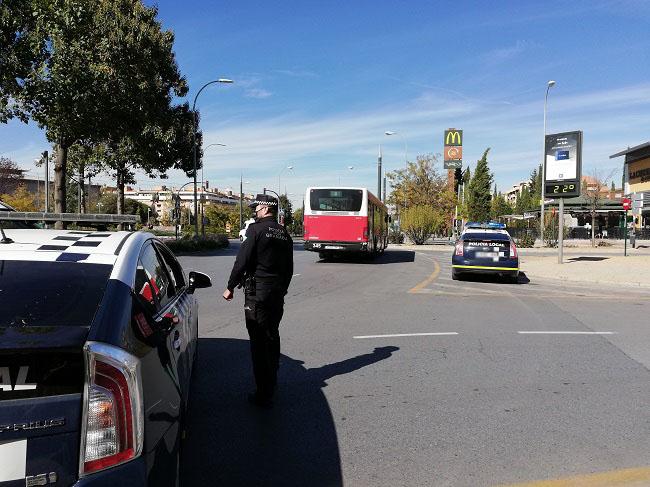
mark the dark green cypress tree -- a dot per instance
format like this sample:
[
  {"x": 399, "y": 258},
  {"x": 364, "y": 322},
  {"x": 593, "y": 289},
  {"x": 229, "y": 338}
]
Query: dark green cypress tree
[{"x": 479, "y": 193}]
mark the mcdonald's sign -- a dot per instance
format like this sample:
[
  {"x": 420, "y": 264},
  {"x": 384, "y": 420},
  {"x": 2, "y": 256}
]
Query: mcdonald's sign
[{"x": 453, "y": 137}]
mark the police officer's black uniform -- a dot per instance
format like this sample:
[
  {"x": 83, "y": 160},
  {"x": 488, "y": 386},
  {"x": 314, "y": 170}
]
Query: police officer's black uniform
[{"x": 264, "y": 265}]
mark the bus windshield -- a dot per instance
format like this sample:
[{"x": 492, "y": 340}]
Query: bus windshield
[{"x": 335, "y": 199}]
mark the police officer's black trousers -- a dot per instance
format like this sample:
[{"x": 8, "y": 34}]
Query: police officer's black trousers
[{"x": 263, "y": 313}]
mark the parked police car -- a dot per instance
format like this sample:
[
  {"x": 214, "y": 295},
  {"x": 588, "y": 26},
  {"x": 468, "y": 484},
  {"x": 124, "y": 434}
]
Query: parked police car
[
  {"x": 98, "y": 336},
  {"x": 485, "y": 248}
]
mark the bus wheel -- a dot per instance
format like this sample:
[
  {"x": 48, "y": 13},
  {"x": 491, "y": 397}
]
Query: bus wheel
[{"x": 323, "y": 256}]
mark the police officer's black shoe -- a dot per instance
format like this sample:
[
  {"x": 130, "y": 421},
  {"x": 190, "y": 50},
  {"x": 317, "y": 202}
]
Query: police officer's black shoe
[{"x": 260, "y": 401}]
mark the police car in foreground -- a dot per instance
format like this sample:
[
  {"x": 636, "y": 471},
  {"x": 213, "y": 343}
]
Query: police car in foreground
[
  {"x": 98, "y": 335},
  {"x": 485, "y": 248}
]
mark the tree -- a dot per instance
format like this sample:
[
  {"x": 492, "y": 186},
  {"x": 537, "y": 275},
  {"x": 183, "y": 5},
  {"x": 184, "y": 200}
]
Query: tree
[
  {"x": 22, "y": 50},
  {"x": 108, "y": 204},
  {"x": 10, "y": 175},
  {"x": 296, "y": 227},
  {"x": 592, "y": 193},
  {"x": 20, "y": 200},
  {"x": 104, "y": 70},
  {"x": 421, "y": 221},
  {"x": 163, "y": 144},
  {"x": 421, "y": 184},
  {"x": 499, "y": 207},
  {"x": 535, "y": 189},
  {"x": 285, "y": 206},
  {"x": 219, "y": 215},
  {"x": 524, "y": 201},
  {"x": 478, "y": 194}
]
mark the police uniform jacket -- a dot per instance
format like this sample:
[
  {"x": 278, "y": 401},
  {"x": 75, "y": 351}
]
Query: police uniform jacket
[{"x": 266, "y": 254}]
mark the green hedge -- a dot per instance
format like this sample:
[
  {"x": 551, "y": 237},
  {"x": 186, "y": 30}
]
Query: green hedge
[{"x": 189, "y": 245}]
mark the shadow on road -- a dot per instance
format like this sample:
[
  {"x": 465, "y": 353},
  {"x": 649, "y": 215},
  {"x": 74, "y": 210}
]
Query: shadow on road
[
  {"x": 586, "y": 259},
  {"x": 232, "y": 443},
  {"x": 388, "y": 257},
  {"x": 494, "y": 278}
]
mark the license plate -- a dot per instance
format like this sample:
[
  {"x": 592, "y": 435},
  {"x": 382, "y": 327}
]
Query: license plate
[
  {"x": 487, "y": 254},
  {"x": 13, "y": 460},
  {"x": 333, "y": 247}
]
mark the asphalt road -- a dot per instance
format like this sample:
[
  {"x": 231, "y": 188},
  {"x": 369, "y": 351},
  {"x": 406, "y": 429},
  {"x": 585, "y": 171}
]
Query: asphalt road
[{"x": 472, "y": 402}]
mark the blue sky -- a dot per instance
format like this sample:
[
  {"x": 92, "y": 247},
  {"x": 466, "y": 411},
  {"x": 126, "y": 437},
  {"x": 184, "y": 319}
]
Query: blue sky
[{"x": 318, "y": 83}]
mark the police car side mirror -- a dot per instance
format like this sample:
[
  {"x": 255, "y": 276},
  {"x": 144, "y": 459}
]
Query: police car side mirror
[{"x": 198, "y": 280}]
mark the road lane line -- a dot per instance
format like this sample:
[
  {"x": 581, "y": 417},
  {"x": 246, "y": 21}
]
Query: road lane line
[
  {"x": 566, "y": 332},
  {"x": 428, "y": 280},
  {"x": 632, "y": 477},
  {"x": 471, "y": 288},
  {"x": 444, "y": 333},
  {"x": 295, "y": 275}
]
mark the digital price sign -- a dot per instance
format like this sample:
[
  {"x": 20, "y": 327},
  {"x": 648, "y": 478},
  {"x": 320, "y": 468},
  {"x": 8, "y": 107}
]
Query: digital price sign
[{"x": 563, "y": 165}]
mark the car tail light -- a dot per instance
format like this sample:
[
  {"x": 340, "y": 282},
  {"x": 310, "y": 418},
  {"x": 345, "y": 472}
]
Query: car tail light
[
  {"x": 513, "y": 249},
  {"x": 459, "y": 248},
  {"x": 112, "y": 428}
]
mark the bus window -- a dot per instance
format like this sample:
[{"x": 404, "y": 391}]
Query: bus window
[{"x": 335, "y": 199}]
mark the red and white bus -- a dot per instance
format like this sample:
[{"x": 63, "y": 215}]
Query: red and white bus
[{"x": 338, "y": 220}]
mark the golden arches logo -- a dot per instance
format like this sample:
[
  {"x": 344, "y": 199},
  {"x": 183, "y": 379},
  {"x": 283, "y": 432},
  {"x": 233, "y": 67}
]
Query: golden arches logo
[{"x": 454, "y": 137}]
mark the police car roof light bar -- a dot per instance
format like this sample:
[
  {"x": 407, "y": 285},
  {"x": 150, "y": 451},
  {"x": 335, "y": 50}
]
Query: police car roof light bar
[{"x": 486, "y": 225}]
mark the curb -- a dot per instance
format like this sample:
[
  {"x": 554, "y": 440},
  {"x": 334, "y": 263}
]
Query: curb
[{"x": 635, "y": 285}]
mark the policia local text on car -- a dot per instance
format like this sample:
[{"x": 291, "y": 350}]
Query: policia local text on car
[{"x": 264, "y": 266}]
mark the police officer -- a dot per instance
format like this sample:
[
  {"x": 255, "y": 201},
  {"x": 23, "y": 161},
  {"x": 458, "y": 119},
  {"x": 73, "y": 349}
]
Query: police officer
[{"x": 264, "y": 266}]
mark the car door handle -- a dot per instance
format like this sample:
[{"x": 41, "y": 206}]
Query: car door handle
[{"x": 177, "y": 341}]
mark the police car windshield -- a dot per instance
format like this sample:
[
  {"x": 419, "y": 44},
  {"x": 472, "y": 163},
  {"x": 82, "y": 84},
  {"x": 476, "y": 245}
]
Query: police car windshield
[
  {"x": 485, "y": 236},
  {"x": 50, "y": 293},
  {"x": 336, "y": 199}
]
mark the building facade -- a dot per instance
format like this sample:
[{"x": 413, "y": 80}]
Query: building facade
[
  {"x": 636, "y": 180},
  {"x": 515, "y": 192},
  {"x": 161, "y": 199}
]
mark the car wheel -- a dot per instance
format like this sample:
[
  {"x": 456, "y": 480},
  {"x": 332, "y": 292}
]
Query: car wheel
[
  {"x": 455, "y": 275},
  {"x": 513, "y": 279}
]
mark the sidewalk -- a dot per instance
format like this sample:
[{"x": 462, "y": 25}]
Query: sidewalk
[
  {"x": 632, "y": 271},
  {"x": 600, "y": 265}
]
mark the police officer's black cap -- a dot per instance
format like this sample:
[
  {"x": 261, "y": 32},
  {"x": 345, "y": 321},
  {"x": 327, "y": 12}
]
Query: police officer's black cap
[{"x": 264, "y": 200}]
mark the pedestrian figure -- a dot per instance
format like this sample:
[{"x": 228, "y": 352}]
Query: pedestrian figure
[{"x": 264, "y": 267}]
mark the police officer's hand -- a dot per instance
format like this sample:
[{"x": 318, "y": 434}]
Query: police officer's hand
[{"x": 227, "y": 295}]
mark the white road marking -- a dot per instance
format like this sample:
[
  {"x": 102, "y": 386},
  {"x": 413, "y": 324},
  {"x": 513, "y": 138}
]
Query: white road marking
[
  {"x": 409, "y": 335},
  {"x": 295, "y": 275},
  {"x": 566, "y": 332}
]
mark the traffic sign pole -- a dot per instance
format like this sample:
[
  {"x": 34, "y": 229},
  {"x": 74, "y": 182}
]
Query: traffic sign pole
[
  {"x": 626, "y": 206},
  {"x": 560, "y": 232}
]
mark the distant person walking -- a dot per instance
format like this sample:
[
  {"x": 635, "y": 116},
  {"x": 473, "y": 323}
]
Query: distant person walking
[{"x": 264, "y": 267}]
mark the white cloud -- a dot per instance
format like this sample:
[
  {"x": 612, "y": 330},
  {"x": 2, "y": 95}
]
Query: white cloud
[
  {"x": 321, "y": 147},
  {"x": 257, "y": 93},
  {"x": 501, "y": 55},
  {"x": 296, "y": 73}
]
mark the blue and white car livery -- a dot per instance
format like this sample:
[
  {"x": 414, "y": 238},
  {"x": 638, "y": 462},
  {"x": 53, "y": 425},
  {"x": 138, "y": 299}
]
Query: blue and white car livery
[
  {"x": 98, "y": 338},
  {"x": 485, "y": 248}
]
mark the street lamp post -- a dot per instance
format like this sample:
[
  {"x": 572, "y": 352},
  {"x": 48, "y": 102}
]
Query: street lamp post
[
  {"x": 406, "y": 149},
  {"x": 176, "y": 200},
  {"x": 549, "y": 85},
  {"x": 406, "y": 157},
  {"x": 196, "y": 214},
  {"x": 290, "y": 168},
  {"x": 350, "y": 168},
  {"x": 203, "y": 189}
]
